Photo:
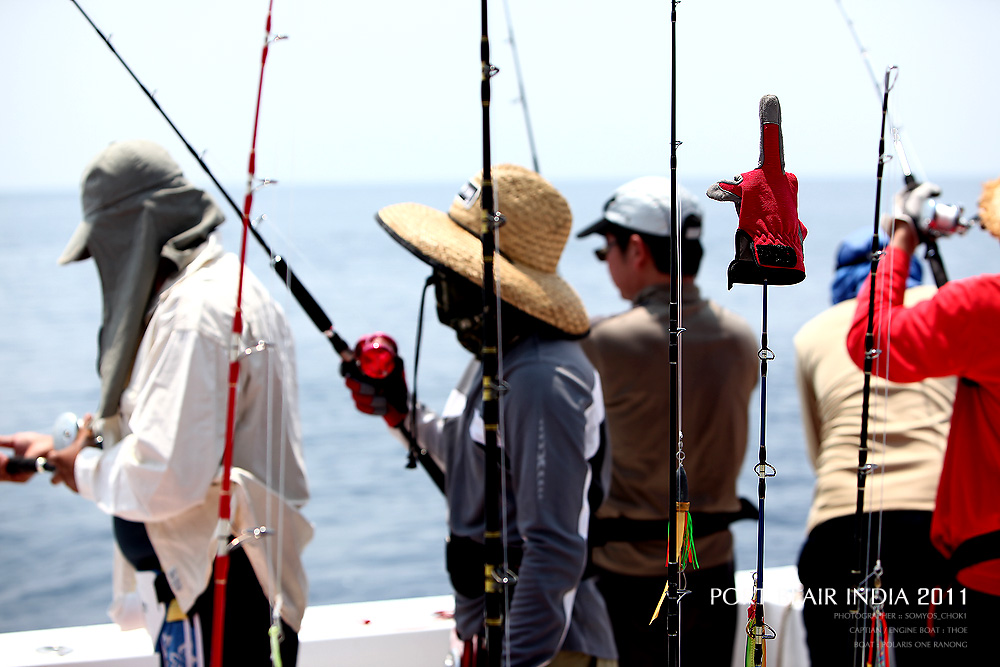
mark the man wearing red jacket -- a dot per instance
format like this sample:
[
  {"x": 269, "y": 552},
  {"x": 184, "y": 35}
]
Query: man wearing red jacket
[{"x": 953, "y": 333}]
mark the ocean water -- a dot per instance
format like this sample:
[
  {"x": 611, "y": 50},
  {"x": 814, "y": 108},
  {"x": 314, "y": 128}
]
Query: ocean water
[{"x": 380, "y": 528}]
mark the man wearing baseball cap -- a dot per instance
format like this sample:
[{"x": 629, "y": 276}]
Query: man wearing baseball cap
[{"x": 718, "y": 374}]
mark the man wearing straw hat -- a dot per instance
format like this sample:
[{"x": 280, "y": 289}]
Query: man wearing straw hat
[
  {"x": 952, "y": 333},
  {"x": 719, "y": 372},
  {"x": 551, "y": 423}
]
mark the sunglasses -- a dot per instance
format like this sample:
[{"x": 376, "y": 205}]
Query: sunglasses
[{"x": 602, "y": 253}]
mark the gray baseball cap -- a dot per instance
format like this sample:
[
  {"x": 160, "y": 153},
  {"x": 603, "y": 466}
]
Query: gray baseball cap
[{"x": 643, "y": 205}]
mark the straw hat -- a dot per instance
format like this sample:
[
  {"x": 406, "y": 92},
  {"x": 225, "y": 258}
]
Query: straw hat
[
  {"x": 989, "y": 207},
  {"x": 538, "y": 223}
]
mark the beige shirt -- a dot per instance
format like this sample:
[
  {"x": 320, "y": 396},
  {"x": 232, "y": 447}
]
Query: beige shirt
[
  {"x": 719, "y": 370},
  {"x": 908, "y": 426}
]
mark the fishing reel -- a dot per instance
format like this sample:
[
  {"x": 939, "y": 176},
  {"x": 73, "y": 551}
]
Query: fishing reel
[
  {"x": 376, "y": 355},
  {"x": 938, "y": 219}
]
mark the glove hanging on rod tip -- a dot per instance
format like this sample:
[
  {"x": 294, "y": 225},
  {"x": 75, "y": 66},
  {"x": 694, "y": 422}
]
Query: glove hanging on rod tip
[{"x": 770, "y": 234}]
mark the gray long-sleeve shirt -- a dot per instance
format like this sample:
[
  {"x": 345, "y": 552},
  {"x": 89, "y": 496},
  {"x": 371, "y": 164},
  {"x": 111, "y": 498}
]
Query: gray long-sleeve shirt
[{"x": 551, "y": 425}]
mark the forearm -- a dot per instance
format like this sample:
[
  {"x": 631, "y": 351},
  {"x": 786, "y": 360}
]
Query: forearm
[
  {"x": 173, "y": 434},
  {"x": 904, "y": 237}
]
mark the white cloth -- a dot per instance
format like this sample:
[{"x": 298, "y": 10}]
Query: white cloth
[{"x": 162, "y": 454}]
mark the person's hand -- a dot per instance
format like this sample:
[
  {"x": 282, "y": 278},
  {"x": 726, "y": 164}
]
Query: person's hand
[
  {"x": 64, "y": 460},
  {"x": 909, "y": 202},
  {"x": 28, "y": 444},
  {"x": 902, "y": 225},
  {"x": 384, "y": 397},
  {"x": 770, "y": 235}
]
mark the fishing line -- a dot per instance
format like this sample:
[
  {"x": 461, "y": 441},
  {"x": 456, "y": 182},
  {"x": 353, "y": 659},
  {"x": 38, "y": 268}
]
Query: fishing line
[{"x": 278, "y": 263}]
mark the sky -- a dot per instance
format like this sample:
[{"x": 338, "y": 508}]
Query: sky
[{"x": 389, "y": 91}]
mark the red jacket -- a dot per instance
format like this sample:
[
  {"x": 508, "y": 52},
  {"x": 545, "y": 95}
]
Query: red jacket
[{"x": 954, "y": 333}]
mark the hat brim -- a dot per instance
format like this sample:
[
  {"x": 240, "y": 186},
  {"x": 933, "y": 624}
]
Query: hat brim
[
  {"x": 989, "y": 207},
  {"x": 76, "y": 249},
  {"x": 435, "y": 238},
  {"x": 599, "y": 227}
]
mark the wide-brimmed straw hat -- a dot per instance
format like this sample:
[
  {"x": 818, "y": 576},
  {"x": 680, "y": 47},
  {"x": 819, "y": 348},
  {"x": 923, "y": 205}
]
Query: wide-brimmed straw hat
[
  {"x": 531, "y": 241},
  {"x": 989, "y": 207}
]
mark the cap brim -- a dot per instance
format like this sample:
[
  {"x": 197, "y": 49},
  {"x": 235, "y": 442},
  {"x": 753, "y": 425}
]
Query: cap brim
[
  {"x": 435, "y": 238},
  {"x": 598, "y": 227},
  {"x": 76, "y": 249}
]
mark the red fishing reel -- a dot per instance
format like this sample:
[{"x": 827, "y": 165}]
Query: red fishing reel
[{"x": 376, "y": 355}]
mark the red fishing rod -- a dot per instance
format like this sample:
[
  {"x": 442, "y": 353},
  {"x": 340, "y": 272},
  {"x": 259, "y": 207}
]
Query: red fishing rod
[{"x": 223, "y": 528}]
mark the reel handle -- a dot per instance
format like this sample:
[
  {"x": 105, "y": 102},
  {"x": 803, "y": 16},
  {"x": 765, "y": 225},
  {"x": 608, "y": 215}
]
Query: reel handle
[
  {"x": 17, "y": 465},
  {"x": 64, "y": 431}
]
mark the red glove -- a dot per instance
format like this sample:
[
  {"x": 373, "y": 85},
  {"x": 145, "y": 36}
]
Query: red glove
[
  {"x": 770, "y": 234},
  {"x": 385, "y": 395}
]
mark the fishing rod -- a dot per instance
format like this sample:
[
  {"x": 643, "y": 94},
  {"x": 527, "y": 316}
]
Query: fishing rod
[
  {"x": 939, "y": 219},
  {"x": 768, "y": 251},
  {"x": 371, "y": 365},
  {"x": 522, "y": 98},
  {"x": 862, "y": 537},
  {"x": 224, "y": 527},
  {"x": 864, "y": 469},
  {"x": 674, "y": 536},
  {"x": 278, "y": 263},
  {"x": 495, "y": 579},
  {"x": 757, "y": 629}
]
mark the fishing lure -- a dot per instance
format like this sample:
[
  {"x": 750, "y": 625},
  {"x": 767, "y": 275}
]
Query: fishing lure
[{"x": 684, "y": 552}]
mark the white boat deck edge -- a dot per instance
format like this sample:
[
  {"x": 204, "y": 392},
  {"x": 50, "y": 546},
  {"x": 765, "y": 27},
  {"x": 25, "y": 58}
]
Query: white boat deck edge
[{"x": 415, "y": 632}]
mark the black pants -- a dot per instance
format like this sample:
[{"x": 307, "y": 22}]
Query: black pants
[
  {"x": 707, "y": 626},
  {"x": 248, "y": 617},
  {"x": 915, "y": 575}
]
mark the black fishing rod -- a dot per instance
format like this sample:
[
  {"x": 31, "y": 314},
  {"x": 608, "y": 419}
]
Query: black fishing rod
[
  {"x": 493, "y": 539},
  {"x": 278, "y": 263},
  {"x": 374, "y": 366},
  {"x": 675, "y": 535},
  {"x": 931, "y": 253},
  {"x": 864, "y": 469},
  {"x": 522, "y": 98}
]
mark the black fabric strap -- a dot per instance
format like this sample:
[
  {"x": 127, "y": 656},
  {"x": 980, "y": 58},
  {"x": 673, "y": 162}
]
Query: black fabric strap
[
  {"x": 973, "y": 551},
  {"x": 623, "y": 529}
]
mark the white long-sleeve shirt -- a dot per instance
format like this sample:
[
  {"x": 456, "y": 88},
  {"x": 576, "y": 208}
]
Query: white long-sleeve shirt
[{"x": 161, "y": 459}]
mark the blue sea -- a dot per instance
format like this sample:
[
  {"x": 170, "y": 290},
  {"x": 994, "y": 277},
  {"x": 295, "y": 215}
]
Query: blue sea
[{"x": 380, "y": 527}]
